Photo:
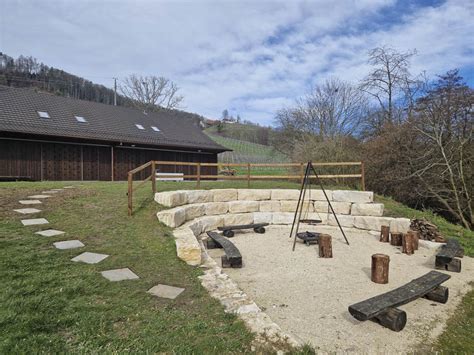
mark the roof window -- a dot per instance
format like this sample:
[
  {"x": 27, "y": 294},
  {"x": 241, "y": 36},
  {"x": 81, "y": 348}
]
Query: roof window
[
  {"x": 139, "y": 126},
  {"x": 80, "y": 119},
  {"x": 43, "y": 114},
  {"x": 156, "y": 129}
]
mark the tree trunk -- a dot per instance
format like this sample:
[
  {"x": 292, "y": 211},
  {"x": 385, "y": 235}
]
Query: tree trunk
[
  {"x": 380, "y": 266},
  {"x": 325, "y": 246},
  {"x": 396, "y": 239},
  {"x": 407, "y": 243},
  {"x": 384, "y": 234}
]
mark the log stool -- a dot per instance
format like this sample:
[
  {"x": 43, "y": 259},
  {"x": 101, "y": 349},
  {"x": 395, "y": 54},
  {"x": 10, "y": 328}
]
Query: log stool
[
  {"x": 380, "y": 268},
  {"x": 396, "y": 239},
  {"x": 407, "y": 244},
  {"x": 384, "y": 234},
  {"x": 325, "y": 246},
  {"x": 416, "y": 238}
]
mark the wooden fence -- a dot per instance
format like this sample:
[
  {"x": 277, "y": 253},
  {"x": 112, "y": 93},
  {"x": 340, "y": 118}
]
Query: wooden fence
[{"x": 244, "y": 172}]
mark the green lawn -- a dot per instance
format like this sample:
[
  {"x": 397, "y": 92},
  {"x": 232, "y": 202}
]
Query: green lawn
[{"x": 49, "y": 304}]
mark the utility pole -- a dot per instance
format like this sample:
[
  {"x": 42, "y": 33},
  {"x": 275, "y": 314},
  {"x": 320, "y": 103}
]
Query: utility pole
[{"x": 115, "y": 91}]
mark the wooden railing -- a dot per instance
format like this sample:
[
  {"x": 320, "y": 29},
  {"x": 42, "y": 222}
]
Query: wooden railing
[{"x": 245, "y": 173}]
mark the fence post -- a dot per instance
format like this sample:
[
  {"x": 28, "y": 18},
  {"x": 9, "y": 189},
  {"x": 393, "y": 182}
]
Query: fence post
[
  {"x": 198, "y": 179},
  {"x": 248, "y": 174},
  {"x": 130, "y": 192},
  {"x": 362, "y": 172},
  {"x": 153, "y": 177},
  {"x": 302, "y": 173}
]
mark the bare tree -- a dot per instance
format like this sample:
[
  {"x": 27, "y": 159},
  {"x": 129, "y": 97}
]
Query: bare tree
[
  {"x": 150, "y": 93},
  {"x": 389, "y": 79}
]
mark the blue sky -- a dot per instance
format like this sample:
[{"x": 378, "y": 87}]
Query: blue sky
[{"x": 252, "y": 57}]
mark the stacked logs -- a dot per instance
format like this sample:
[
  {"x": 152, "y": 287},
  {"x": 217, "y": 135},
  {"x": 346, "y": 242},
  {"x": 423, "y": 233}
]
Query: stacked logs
[{"x": 427, "y": 230}]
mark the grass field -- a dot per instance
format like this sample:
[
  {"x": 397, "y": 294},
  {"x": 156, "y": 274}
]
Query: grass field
[{"x": 52, "y": 305}]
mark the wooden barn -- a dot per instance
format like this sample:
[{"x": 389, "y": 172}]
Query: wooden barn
[{"x": 47, "y": 137}]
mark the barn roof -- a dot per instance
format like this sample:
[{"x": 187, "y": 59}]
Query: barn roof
[{"x": 20, "y": 111}]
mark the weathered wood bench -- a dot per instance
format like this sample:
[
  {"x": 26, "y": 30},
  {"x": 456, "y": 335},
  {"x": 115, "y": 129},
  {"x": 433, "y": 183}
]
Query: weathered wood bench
[
  {"x": 228, "y": 231},
  {"x": 382, "y": 308},
  {"x": 446, "y": 257},
  {"x": 232, "y": 257}
]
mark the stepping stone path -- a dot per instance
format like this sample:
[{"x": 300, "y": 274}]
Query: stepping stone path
[
  {"x": 69, "y": 244},
  {"x": 27, "y": 210},
  {"x": 165, "y": 291},
  {"x": 119, "y": 274},
  {"x": 90, "y": 258},
  {"x": 30, "y": 202},
  {"x": 39, "y": 196},
  {"x": 50, "y": 233},
  {"x": 34, "y": 221}
]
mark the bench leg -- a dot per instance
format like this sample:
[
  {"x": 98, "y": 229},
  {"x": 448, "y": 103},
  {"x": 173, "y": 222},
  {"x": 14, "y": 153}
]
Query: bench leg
[
  {"x": 439, "y": 294},
  {"x": 225, "y": 261},
  {"x": 454, "y": 265},
  {"x": 259, "y": 230},
  {"x": 394, "y": 319},
  {"x": 211, "y": 244},
  {"x": 228, "y": 233}
]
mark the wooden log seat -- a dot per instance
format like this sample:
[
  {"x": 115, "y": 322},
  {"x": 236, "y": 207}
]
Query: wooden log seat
[
  {"x": 382, "y": 308},
  {"x": 232, "y": 257},
  {"x": 446, "y": 259},
  {"x": 228, "y": 231}
]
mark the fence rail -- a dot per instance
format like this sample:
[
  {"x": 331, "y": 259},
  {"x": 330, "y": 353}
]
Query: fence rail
[{"x": 245, "y": 173}]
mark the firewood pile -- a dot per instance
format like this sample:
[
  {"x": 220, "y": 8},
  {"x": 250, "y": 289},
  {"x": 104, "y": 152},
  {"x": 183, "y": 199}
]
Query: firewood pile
[{"x": 428, "y": 231}]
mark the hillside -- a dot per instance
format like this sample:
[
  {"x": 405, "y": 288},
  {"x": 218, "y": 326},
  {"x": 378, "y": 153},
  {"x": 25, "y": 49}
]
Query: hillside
[{"x": 246, "y": 131}]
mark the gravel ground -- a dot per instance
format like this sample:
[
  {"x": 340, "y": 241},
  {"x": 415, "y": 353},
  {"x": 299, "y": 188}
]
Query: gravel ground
[{"x": 308, "y": 296}]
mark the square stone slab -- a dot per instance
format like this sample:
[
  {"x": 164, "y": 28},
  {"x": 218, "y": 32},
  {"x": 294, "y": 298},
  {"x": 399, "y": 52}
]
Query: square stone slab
[
  {"x": 39, "y": 196},
  {"x": 50, "y": 233},
  {"x": 68, "y": 244},
  {"x": 27, "y": 210},
  {"x": 165, "y": 291},
  {"x": 30, "y": 202},
  {"x": 34, "y": 221},
  {"x": 119, "y": 274},
  {"x": 90, "y": 258}
]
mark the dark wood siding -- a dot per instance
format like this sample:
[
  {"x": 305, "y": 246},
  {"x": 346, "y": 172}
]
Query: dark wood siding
[{"x": 59, "y": 161}]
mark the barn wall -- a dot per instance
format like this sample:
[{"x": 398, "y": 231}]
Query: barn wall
[{"x": 59, "y": 161}]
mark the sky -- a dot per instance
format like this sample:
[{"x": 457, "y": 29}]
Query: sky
[{"x": 250, "y": 57}]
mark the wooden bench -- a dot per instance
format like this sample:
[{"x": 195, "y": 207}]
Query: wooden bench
[
  {"x": 446, "y": 257},
  {"x": 232, "y": 257},
  {"x": 382, "y": 308},
  {"x": 228, "y": 231}
]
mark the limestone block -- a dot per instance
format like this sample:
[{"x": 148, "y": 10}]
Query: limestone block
[
  {"x": 290, "y": 206},
  {"x": 209, "y": 223},
  {"x": 400, "y": 225},
  {"x": 194, "y": 210},
  {"x": 269, "y": 206},
  {"x": 225, "y": 195},
  {"x": 171, "y": 198},
  {"x": 367, "y": 209},
  {"x": 238, "y": 218},
  {"x": 285, "y": 194},
  {"x": 371, "y": 223},
  {"x": 339, "y": 207},
  {"x": 187, "y": 247},
  {"x": 199, "y": 196},
  {"x": 213, "y": 208},
  {"x": 262, "y": 217},
  {"x": 195, "y": 226},
  {"x": 323, "y": 217},
  {"x": 173, "y": 217},
  {"x": 318, "y": 195},
  {"x": 283, "y": 218},
  {"x": 254, "y": 194},
  {"x": 353, "y": 196},
  {"x": 243, "y": 206},
  {"x": 344, "y": 220}
]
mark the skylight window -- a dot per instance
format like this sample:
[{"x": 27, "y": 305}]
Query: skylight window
[
  {"x": 156, "y": 129},
  {"x": 43, "y": 114},
  {"x": 80, "y": 119},
  {"x": 139, "y": 126}
]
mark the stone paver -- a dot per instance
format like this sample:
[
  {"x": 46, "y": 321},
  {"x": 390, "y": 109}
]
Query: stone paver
[
  {"x": 119, "y": 274},
  {"x": 34, "y": 221},
  {"x": 50, "y": 233},
  {"x": 165, "y": 291},
  {"x": 49, "y": 192},
  {"x": 30, "y": 202},
  {"x": 68, "y": 244},
  {"x": 39, "y": 196},
  {"x": 68, "y": 187},
  {"x": 27, "y": 210},
  {"x": 90, "y": 258}
]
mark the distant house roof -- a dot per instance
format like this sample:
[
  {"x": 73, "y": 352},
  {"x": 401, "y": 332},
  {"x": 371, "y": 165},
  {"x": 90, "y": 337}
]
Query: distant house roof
[{"x": 29, "y": 112}]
